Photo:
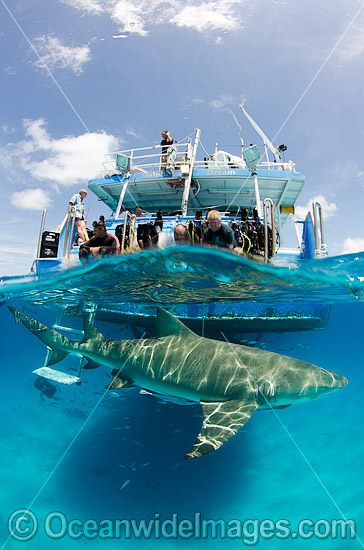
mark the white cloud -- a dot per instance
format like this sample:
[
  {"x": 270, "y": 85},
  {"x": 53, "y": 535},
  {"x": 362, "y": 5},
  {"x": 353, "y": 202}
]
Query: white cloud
[
  {"x": 133, "y": 133},
  {"x": 140, "y": 17},
  {"x": 7, "y": 129},
  {"x": 66, "y": 161},
  {"x": 57, "y": 56},
  {"x": 207, "y": 16},
  {"x": 329, "y": 208},
  {"x": 352, "y": 44},
  {"x": 130, "y": 16},
  {"x": 90, "y": 6},
  {"x": 30, "y": 199},
  {"x": 353, "y": 245},
  {"x": 222, "y": 101}
]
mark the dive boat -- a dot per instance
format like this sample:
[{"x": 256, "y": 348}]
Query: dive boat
[
  {"x": 255, "y": 193},
  {"x": 247, "y": 190}
]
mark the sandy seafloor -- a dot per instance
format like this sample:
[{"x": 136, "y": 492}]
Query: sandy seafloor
[{"x": 303, "y": 462}]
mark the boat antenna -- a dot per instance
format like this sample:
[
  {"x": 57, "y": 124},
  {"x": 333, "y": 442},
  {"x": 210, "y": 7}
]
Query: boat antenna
[{"x": 265, "y": 138}]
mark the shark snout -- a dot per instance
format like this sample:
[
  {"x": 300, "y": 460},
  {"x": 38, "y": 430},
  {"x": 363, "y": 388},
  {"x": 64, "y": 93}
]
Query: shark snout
[{"x": 341, "y": 381}]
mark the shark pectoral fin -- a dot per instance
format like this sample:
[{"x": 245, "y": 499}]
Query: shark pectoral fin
[
  {"x": 91, "y": 365},
  {"x": 118, "y": 381},
  {"x": 221, "y": 421}
]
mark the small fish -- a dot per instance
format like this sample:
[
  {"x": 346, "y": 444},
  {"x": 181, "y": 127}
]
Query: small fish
[
  {"x": 137, "y": 443},
  {"x": 145, "y": 464},
  {"x": 125, "y": 484}
]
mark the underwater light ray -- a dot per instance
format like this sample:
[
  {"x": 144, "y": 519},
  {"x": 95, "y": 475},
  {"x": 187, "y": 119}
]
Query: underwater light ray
[
  {"x": 302, "y": 454},
  {"x": 60, "y": 460}
]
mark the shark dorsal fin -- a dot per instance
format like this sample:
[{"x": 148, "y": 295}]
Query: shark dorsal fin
[
  {"x": 90, "y": 332},
  {"x": 168, "y": 325}
]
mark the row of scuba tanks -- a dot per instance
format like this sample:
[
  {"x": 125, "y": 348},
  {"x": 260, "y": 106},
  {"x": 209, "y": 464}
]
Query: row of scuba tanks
[{"x": 248, "y": 231}]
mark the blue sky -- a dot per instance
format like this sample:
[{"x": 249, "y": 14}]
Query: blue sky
[{"x": 80, "y": 78}]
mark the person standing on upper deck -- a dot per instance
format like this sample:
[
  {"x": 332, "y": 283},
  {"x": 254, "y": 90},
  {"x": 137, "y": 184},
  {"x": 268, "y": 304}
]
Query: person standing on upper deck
[
  {"x": 167, "y": 140},
  {"x": 77, "y": 207},
  {"x": 218, "y": 233}
]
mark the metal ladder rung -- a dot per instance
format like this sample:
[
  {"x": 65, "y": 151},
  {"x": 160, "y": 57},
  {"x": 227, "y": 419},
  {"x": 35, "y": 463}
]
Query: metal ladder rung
[
  {"x": 60, "y": 376},
  {"x": 68, "y": 329},
  {"x": 57, "y": 376}
]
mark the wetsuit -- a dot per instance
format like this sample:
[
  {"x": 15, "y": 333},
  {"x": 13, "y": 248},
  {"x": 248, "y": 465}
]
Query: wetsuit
[
  {"x": 223, "y": 237},
  {"x": 107, "y": 246}
]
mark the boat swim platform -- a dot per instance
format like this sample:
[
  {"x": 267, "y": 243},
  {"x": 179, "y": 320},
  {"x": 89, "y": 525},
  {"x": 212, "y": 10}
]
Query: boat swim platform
[{"x": 246, "y": 317}]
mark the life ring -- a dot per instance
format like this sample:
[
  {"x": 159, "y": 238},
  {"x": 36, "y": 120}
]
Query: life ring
[{"x": 176, "y": 182}]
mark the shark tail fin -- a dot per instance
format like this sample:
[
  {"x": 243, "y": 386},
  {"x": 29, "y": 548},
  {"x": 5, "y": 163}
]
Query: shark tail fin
[
  {"x": 56, "y": 357},
  {"x": 53, "y": 339}
]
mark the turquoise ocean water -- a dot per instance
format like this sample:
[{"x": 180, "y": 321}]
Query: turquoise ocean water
[{"x": 86, "y": 454}]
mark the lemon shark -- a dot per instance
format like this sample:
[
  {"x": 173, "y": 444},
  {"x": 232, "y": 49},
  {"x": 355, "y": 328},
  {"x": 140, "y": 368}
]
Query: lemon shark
[{"x": 230, "y": 381}]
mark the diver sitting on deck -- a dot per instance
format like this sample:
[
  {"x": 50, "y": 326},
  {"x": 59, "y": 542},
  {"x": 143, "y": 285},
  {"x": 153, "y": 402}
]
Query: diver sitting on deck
[
  {"x": 101, "y": 244},
  {"x": 180, "y": 234},
  {"x": 102, "y": 221},
  {"x": 218, "y": 233}
]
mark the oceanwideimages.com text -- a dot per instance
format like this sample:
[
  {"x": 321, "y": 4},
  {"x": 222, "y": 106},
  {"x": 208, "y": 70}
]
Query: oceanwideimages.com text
[{"x": 24, "y": 525}]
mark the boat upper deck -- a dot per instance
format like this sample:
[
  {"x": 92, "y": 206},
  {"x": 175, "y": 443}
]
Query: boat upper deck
[{"x": 182, "y": 184}]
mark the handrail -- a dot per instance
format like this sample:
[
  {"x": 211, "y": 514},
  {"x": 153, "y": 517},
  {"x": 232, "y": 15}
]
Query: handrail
[
  {"x": 66, "y": 234},
  {"x": 268, "y": 207},
  {"x": 110, "y": 158},
  {"x": 121, "y": 198},
  {"x": 186, "y": 191},
  {"x": 257, "y": 196},
  {"x": 70, "y": 235},
  {"x": 127, "y": 215},
  {"x": 318, "y": 227},
  {"x": 150, "y": 161}
]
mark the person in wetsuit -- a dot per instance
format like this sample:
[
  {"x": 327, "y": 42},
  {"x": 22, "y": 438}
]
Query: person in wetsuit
[
  {"x": 101, "y": 244},
  {"x": 217, "y": 233}
]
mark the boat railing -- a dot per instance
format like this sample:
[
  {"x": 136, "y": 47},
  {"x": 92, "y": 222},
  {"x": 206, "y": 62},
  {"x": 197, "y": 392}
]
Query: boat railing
[
  {"x": 318, "y": 226},
  {"x": 144, "y": 159},
  {"x": 269, "y": 223},
  {"x": 70, "y": 225}
]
